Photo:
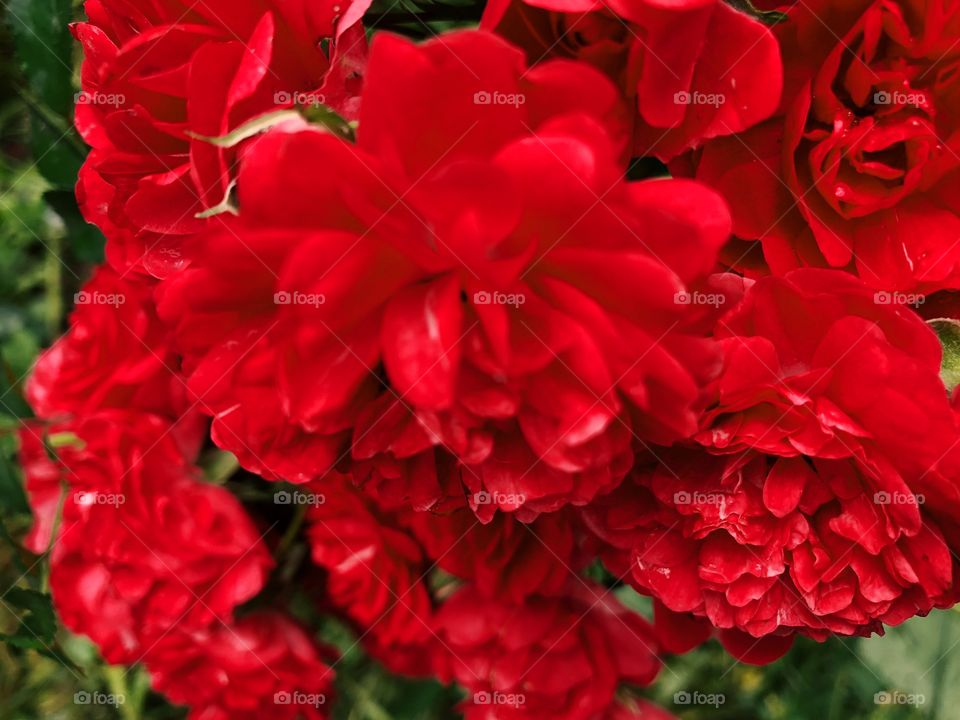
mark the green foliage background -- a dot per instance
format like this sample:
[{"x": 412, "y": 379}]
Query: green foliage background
[{"x": 46, "y": 250}]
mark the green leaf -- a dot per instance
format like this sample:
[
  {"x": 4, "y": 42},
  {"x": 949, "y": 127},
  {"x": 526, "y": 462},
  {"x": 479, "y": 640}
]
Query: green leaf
[
  {"x": 57, "y": 157},
  {"x": 948, "y": 330},
  {"x": 768, "y": 17},
  {"x": 39, "y": 621},
  {"x": 12, "y": 403},
  {"x": 920, "y": 658},
  {"x": 15, "y": 551},
  {"x": 12, "y": 497},
  {"x": 44, "y": 46}
]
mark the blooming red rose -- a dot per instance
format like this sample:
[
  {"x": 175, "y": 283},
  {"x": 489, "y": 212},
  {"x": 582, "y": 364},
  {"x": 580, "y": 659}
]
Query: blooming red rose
[
  {"x": 829, "y": 428},
  {"x": 143, "y": 545},
  {"x": 694, "y": 70},
  {"x": 859, "y": 168},
  {"x": 155, "y": 77},
  {"x": 505, "y": 558},
  {"x": 115, "y": 354},
  {"x": 399, "y": 454},
  {"x": 376, "y": 571},
  {"x": 458, "y": 258},
  {"x": 260, "y": 666},
  {"x": 818, "y": 364},
  {"x": 561, "y": 657},
  {"x": 775, "y": 546},
  {"x": 83, "y": 463}
]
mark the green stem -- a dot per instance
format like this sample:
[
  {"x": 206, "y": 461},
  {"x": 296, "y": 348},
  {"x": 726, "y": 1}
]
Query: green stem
[
  {"x": 292, "y": 531},
  {"x": 131, "y": 707}
]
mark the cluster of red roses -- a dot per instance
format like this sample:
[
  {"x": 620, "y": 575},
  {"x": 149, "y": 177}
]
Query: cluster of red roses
[{"x": 477, "y": 349}]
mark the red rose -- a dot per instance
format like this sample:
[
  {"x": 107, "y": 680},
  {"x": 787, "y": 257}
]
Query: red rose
[
  {"x": 833, "y": 429},
  {"x": 505, "y": 558},
  {"x": 561, "y": 658},
  {"x": 694, "y": 70},
  {"x": 818, "y": 364},
  {"x": 155, "y": 78},
  {"x": 396, "y": 454},
  {"x": 526, "y": 327},
  {"x": 143, "y": 545},
  {"x": 375, "y": 571},
  {"x": 117, "y": 434},
  {"x": 859, "y": 169},
  {"x": 776, "y": 546},
  {"x": 260, "y": 666},
  {"x": 115, "y": 354}
]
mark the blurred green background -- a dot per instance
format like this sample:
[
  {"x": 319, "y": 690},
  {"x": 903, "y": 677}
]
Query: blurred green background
[{"x": 45, "y": 251}]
